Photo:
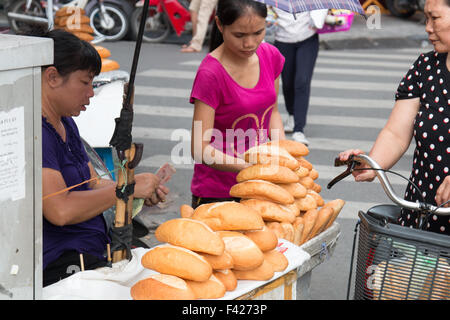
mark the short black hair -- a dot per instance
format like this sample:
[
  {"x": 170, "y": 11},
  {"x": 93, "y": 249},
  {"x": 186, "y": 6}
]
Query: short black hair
[
  {"x": 70, "y": 52},
  {"x": 228, "y": 11}
]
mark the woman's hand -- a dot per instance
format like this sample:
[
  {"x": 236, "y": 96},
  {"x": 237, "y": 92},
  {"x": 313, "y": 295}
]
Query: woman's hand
[
  {"x": 443, "y": 192},
  {"x": 360, "y": 175},
  {"x": 158, "y": 196},
  {"x": 146, "y": 185}
]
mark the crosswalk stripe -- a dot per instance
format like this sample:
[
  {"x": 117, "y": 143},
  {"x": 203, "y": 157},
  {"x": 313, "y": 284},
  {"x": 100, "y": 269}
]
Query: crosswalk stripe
[
  {"x": 349, "y": 103},
  {"x": 350, "y": 62},
  {"x": 190, "y": 75},
  {"x": 325, "y": 84},
  {"x": 360, "y": 122},
  {"x": 365, "y": 55},
  {"x": 182, "y": 135}
]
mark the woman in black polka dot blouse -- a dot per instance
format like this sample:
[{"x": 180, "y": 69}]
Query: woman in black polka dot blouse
[{"x": 422, "y": 112}]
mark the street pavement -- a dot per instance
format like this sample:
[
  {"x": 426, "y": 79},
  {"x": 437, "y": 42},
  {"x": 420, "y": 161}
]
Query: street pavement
[{"x": 355, "y": 78}]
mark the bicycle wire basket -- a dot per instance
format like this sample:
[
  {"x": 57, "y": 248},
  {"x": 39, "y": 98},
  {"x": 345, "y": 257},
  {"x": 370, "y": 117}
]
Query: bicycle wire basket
[{"x": 400, "y": 263}]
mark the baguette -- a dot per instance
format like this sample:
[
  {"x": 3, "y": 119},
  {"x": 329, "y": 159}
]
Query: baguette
[
  {"x": 263, "y": 190},
  {"x": 71, "y": 20},
  {"x": 228, "y": 215},
  {"x": 270, "y": 211},
  {"x": 307, "y": 182},
  {"x": 302, "y": 172},
  {"x": 304, "y": 163},
  {"x": 162, "y": 287},
  {"x": 265, "y": 239},
  {"x": 224, "y": 261},
  {"x": 316, "y": 187},
  {"x": 245, "y": 253},
  {"x": 227, "y": 277},
  {"x": 268, "y": 154},
  {"x": 291, "y": 208},
  {"x": 317, "y": 197},
  {"x": 306, "y": 203},
  {"x": 288, "y": 231},
  {"x": 191, "y": 234},
  {"x": 267, "y": 172},
  {"x": 323, "y": 217},
  {"x": 278, "y": 260},
  {"x": 186, "y": 211},
  {"x": 313, "y": 174},
  {"x": 295, "y": 149},
  {"x": 276, "y": 227},
  {"x": 296, "y": 189},
  {"x": 262, "y": 273},
  {"x": 177, "y": 261},
  {"x": 212, "y": 288},
  {"x": 103, "y": 52},
  {"x": 298, "y": 225},
  {"x": 337, "y": 206},
  {"x": 69, "y": 11},
  {"x": 309, "y": 220}
]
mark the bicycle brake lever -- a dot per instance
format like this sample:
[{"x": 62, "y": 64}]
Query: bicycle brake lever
[{"x": 350, "y": 166}]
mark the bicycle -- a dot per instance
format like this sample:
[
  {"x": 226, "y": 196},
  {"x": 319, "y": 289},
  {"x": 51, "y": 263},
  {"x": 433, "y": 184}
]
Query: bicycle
[{"x": 396, "y": 262}]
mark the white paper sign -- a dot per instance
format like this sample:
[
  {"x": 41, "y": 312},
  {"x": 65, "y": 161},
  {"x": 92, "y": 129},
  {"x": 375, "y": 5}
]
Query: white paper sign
[{"x": 12, "y": 154}]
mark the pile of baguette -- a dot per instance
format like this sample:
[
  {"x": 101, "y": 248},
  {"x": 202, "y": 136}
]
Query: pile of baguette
[
  {"x": 74, "y": 20},
  {"x": 208, "y": 250},
  {"x": 281, "y": 186}
]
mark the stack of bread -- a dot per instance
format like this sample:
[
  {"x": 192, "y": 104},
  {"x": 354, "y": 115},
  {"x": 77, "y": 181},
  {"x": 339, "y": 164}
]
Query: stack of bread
[
  {"x": 74, "y": 20},
  {"x": 206, "y": 251},
  {"x": 281, "y": 186}
]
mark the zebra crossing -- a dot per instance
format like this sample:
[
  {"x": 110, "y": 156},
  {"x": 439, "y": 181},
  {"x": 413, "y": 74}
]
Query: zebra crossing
[{"x": 352, "y": 95}]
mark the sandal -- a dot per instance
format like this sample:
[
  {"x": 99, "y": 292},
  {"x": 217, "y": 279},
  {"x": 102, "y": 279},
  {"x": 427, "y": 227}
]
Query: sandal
[
  {"x": 189, "y": 49},
  {"x": 184, "y": 46}
]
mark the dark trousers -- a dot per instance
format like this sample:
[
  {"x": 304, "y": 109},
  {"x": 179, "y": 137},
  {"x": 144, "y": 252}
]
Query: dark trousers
[
  {"x": 296, "y": 76},
  {"x": 69, "y": 263}
]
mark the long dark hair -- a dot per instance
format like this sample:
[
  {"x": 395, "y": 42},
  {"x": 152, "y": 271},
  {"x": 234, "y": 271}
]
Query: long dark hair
[
  {"x": 70, "y": 52},
  {"x": 228, "y": 11}
]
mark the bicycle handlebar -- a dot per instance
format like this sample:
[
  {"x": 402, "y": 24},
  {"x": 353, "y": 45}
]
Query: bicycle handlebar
[{"x": 387, "y": 187}]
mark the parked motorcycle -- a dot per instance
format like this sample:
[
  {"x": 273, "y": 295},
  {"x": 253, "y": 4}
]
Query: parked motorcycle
[
  {"x": 109, "y": 18},
  {"x": 405, "y": 8},
  {"x": 164, "y": 16}
]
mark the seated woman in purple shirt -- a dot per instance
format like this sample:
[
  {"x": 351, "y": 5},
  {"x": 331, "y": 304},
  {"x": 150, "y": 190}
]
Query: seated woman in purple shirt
[{"x": 73, "y": 223}]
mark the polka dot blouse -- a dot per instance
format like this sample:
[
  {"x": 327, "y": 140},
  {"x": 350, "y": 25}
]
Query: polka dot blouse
[{"x": 429, "y": 80}]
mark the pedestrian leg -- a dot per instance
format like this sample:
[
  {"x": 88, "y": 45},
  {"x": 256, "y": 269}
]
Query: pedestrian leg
[
  {"x": 206, "y": 9},
  {"x": 306, "y": 56}
]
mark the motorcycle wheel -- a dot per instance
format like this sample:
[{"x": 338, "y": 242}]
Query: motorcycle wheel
[
  {"x": 397, "y": 11},
  {"x": 116, "y": 25},
  {"x": 157, "y": 27},
  {"x": 35, "y": 10}
]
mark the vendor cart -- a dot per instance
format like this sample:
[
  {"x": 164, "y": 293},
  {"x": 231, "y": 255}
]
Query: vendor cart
[
  {"x": 295, "y": 284},
  {"x": 292, "y": 284}
]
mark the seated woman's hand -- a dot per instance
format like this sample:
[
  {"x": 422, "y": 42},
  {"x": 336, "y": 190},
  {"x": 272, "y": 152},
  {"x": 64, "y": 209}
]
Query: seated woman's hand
[
  {"x": 158, "y": 196},
  {"x": 360, "y": 175},
  {"x": 146, "y": 185}
]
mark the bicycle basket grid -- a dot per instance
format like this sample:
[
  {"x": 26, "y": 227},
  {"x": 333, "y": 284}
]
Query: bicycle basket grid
[{"x": 395, "y": 263}]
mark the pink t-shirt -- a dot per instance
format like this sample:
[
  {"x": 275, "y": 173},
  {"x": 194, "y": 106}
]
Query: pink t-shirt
[{"x": 242, "y": 115}]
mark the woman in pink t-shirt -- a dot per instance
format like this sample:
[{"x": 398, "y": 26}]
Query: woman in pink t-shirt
[{"x": 235, "y": 97}]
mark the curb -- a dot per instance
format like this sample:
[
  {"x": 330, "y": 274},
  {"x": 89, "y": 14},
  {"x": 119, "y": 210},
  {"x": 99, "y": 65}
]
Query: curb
[{"x": 377, "y": 43}]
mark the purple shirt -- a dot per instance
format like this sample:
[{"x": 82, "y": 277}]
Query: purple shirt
[
  {"x": 242, "y": 115},
  {"x": 71, "y": 160}
]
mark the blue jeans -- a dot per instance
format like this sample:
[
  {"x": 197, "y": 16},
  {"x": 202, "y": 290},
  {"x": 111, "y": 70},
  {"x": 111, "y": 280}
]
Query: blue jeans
[{"x": 296, "y": 76}]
